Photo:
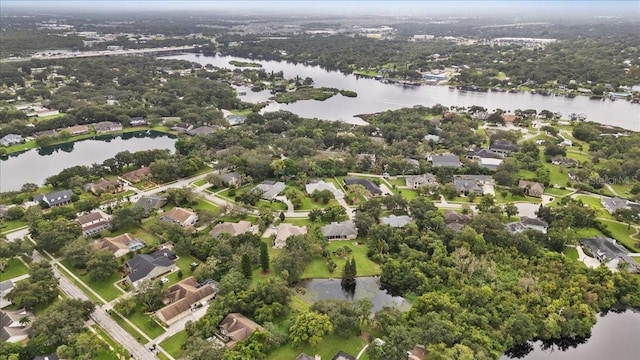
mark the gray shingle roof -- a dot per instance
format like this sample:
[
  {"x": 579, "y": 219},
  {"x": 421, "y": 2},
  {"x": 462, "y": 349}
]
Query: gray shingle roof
[
  {"x": 142, "y": 265},
  {"x": 446, "y": 160},
  {"x": 55, "y": 198},
  {"x": 368, "y": 184},
  {"x": 270, "y": 189},
  {"x": 342, "y": 229},
  {"x": 396, "y": 221},
  {"x": 150, "y": 202}
]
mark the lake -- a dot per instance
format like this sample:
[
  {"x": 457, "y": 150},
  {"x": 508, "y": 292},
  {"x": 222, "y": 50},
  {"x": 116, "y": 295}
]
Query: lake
[
  {"x": 365, "y": 288},
  {"x": 616, "y": 336},
  {"x": 374, "y": 96},
  {"x": 34, "y": 166}
]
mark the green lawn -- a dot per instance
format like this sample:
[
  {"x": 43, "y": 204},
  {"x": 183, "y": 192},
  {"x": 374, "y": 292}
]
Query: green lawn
[
  {"x": 511, "y": 198},
  {"x": 556, "y": 191},
  {"x": 308, "y": 204},
  {"x": 147, "y": 324},
  {"x": 173, "y": 344},
  {"x": 557, "y": 174},
  {"x": 183, "y": 263},
  {"x": 526, "y": 174},
  {"x": 571, "y": 253},
  {"x": 596, "y": 205},
  {"x": 206, "y": 205},
  {"x": 318, "y": 267},
  {"x": 588, "y": 232},
  {"x": 623, "y": 235},
  {"x": 117, "y": 348},
  {"x": 128, "y": 328},
  {"x": 624, "y": 190},
  {"x": 398, "y": 181},
  {"x": 104, "y": 288},
  {"x": 14, "y": 268},
  {"x": 199, "y": 182},
  {"x": 10, "y": 225},
  {"x": 580, "y": 156},
  {"x": 329, "y": 346},
  {"x": 407, "y": 193}
]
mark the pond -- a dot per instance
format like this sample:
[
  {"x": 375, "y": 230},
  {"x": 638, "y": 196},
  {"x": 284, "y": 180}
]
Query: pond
[
  {"x": 34, "y": 166},
  {"x": 374, "y": 96},
  {"x": 365, "y": 288},
  {"x": 616, "y": 336}
]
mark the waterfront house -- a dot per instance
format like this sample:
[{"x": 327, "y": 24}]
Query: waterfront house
[
  {"x": 138, "y": 175},
  {"x": 107, "y": 126},
  {"x": 77, "y": 130},
  {"x": 11, "y": 139},
  {"x": 93, "y": 223},
  {"x": 55, "y": 198},
  {"x": 103, "y": 185}
]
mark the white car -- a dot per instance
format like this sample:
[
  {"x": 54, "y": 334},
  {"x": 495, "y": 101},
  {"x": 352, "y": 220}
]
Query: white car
[{"x": 164, "y": 280}]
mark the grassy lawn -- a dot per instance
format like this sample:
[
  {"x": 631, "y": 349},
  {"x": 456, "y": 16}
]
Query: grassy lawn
[
  {"x": 526, "y": 174},
  {"x": 407, "y": 193},
  {"x": 636, "y": 258},
  {"x": 588, "y": 232},
  {"x": 183, "y": 263},
  {"x": 623, "y": 235},
  {"x": 596, "y": 205},
  {"x": 329, "y": 346},
  {"x": 624, "y": 190},
  {"x": 14, "y": 268},
  {"x": 128, "y": 327},
  {"x": 117, "y": 348},
  {"x": 318, "y": 267},
  {"x": 308, "y": 204},
  {"x": 173, "y": 344},
  {"x": 199, "y": 182},
  {"x": 557, "y": 174},
  {"x": 274, "y": 205},
  {"x": 104, "y": 288},
  {"x": 147, "y": 324},
  {"x": 206, "y": 205},
  {"x": 571, "y": 253},
  {"x": 580, "y": 156},
  {"x": 337, "y": 183},
  {"x": 398, "y": 181},
  {"x": 10, "y": 225},
  {"x": 511, "y": 198},
  {"x": 556, "y": 192}
]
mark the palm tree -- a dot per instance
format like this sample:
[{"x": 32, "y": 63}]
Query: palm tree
[{"x": 25, "y": 321}]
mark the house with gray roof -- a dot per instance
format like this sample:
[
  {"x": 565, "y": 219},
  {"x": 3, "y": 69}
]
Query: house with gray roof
[
  {"x": 5, "y": 288},
  {"x": 446, "y": 160},
  {"x": 607, "y": 250},
  {"x": 55, "y": 198},
  {"x": 270, "y": 189},
  {"x": 531, "y": 188},
  {"x": 416, "y": 181},
  {"x": 234, "y": 120},
  {"x": 483, "y": 153},
  {"x": 12, "y": 329},
  {"x": 202, "y": 130},
  {"x": 320, "y": 185},
  {"x": 340, "y": 230},
  {"x": 371, "y": 187},
  {"x": 489, "y": 163},
  {"x": 107, "y": 126},
  {"x": 93, "y": 223},
  {"x": 149, "y": 266},
  {"x": 231, "y": 178},
  {"x": 502, "y": 146},
  {"x": 527, "y": 223},
  {"x": 151, "y": 202},
  {"x": 466, "y": 184},
  {"x": 616, "y": 203},
  {"x": 11, "y": 139},
  {"x": 396, "y": 221}
]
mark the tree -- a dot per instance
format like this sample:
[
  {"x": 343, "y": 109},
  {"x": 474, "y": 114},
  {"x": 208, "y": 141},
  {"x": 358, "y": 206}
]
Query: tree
[
  {"x": 246, "y": 266},
  {"x": 84, "y": 346},
  {"x": 77, "y": 252},
  {"x": 626, "y": 215},
  {"x": 52, "y": 236},
  {"x": 208, "y": 270},
  {"x": 15, "y": 212},
  {"x": 86, "y": 204},
  {"x": 232, "y": 281},
  {"x": 295, "y": 196},
  {"x": 101, "y": 265},
  {"x": 183, "y": 196},
  {"x": 264, "y": 257},
  {"x": 126, "y": 217},
  {"x": 349, "y": 272},
  {"x": 150, "y": 294},
  {"x": 197, "y": 348},
  {"x": 510, "y": 209},
  {"x": 487, "y": 201},
  {"x": 39, "y": 289},
  {"x": 310, "y": 328},
  {"x": 61, "y": 322}
]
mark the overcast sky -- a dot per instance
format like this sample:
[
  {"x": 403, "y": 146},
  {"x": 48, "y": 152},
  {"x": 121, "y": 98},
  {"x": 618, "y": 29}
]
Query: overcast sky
[{"x": 628, "y": 7}]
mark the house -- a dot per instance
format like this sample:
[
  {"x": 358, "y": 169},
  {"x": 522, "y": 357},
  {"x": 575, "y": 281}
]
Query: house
[
  {"x": 304, "y": 356},
  {"x": 183, "y": 297},
  {"x": 489, "y": 163},
  {"x": 52, "y": 356},
  {"x": 432, "y": 137},
  {"x": 419, "y": 352},
  {"x": 150, "y": 202},
  {"x": 236, "y": 327},
  {"x": 93, "y": 223},
  {"x": 286, "y": 231},
  {"x": 119, "y": 245},
  {"x": 446, "y": 160},
  {"x": 137, "y": 121},
  {"x": 202, "y": 130},
  {"x": 77, "y": 130},
  {"x": 607, "y": 250},
  {"x": 4, "y": 211},
  {"x": 182, "y": 127},
  {"x": 135, "y": 176},
  {"x": 372, "y": 188},
  {"x": 5, "y": 288},
  {"x": 416, "y": 181},
  {"x": 566, "y": 162},
  {"x": 103, "y": 185},
  {"x": 180, "y": 216},
  {"x": 508, "y": 118},
  {"x": 396, "y": 221},
  {"x": 527, "y": 223},
  {"x": 369, "y": 159},
  {"x": 52, "y": 132},
  {"x": 531, "y": 188},
  {"x": 466, "y": 184},
  {"x": 483, "y": 153},
  {"x": 616, "y": 203},
  {"x": 55, "y": 198},
  {"x": 12, "y": 326},
  {"x": 502, "y": 146},
  {"x": 340, "y": 230},
  {"x": 233, "y": 229},
  {"x": 11, "y": 139},
  {"x": 341, "y": 355},
  {"x": 234, "y": 120},
  {"x": 412, "y": 162},
  {"x": 455, "y": 221},
  {"x": 149, "y": 266},
  {"x": 270, "y": 189},
  {"x": 107, "y": 126},
  {"x": 320, "y": 185},
  {"x": 231, "y": 179}
]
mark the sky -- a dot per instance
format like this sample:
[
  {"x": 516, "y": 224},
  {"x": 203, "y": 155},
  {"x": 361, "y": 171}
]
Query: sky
[{"x": 388, "y": 7}]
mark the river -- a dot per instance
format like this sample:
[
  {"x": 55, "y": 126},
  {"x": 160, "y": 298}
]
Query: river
[
  {"x": 34, "y": 166},
  {"x": 374, "y": 96},
  {"x": 614, "y": 337}
]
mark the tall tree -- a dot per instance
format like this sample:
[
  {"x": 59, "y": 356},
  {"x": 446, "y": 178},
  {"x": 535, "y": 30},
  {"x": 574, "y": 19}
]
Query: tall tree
[
  {"x": 246, "y": 266},
  {"x": 264, "y": 257},
  {"x": 310, "y": 328},
  {"x": 102, "y": 264}
]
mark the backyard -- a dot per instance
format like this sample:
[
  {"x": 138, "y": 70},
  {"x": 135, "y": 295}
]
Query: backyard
[
  {"x": 14, "y": 268},
  {"x": 318, "y": 267}
]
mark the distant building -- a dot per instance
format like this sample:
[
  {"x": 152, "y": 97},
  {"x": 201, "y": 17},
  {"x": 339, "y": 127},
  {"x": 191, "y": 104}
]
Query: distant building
[
  {"x": 234, "y": 328},
  {"x": 489, "y": 163},
  {"x": 107, "y": 126},
  {"x": 320, "y": 185},
  {"x": 12, "y": 329},
  {"x": 372, "y": 188},
  {"x": 531, "y": 188},
  {"x": 231, "y": 179},
  {"x": 503, "y": 147},
  {"x": 232, "y": 229},
  {"x": 285, "y": 231},
  {"x": 11, "y": 139},
  {"x": 466, "y": 184},
  {"x": 103, "y": 185},
  {"x": 150, "y": 202},
  {"x": 138, "y": 175},
  {"x": 138, "y": 121},
  {"x": 202, "y": 130},
  {"x": 396, "y": 221},
  {"x": 270, "y": 189},
  {"x": 608, "y": 251},
  {"x": 616, "y": 203},
  {"x": 93, "y": 223},
  {"x": 341, "y": 355},
  {"x": 77, "y": 130},
  {"x": 55, "y": 198},
  {"x": 455, "y": 221},
  {"x": 5, "y": 288},
  {"x": 119, "y": 245},
  {"x": 181, "y": 216},
  {"x": 234, "y": 120},
  {"x": 416, "y": 181},
  {"x": 527, "y": 223},
  {"x": 340, "y": 231},
  {"x": 446, "y": 160}
]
